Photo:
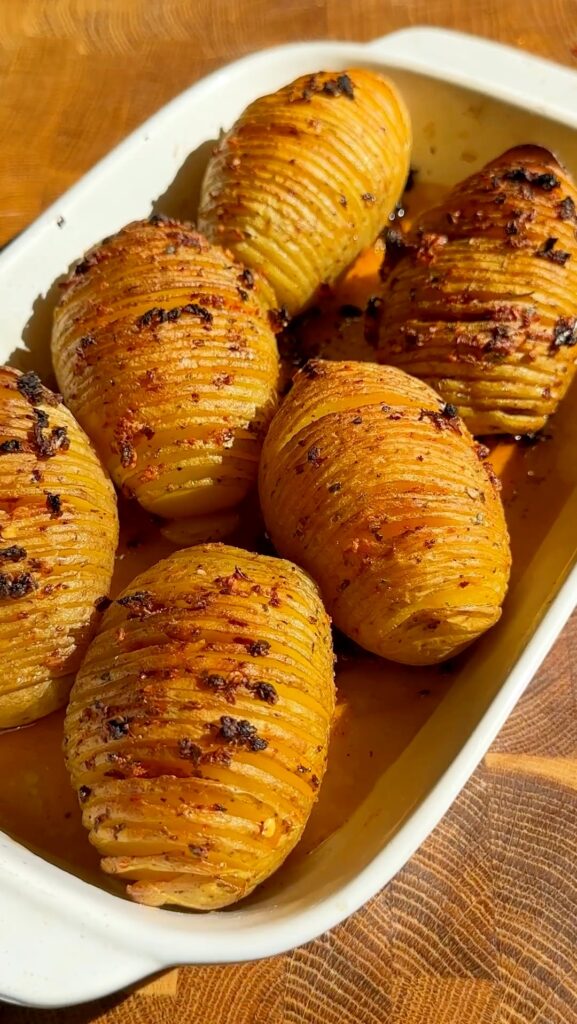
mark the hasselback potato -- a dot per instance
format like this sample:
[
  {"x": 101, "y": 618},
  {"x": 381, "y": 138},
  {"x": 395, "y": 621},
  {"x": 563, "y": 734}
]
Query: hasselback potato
[
  {"x": 481, "y": 298},
  {"x": 306, "y": 178},
  {"x": 58, "y": 535},
  {"x": 165, "y": 355},
  {"x": 374, "y": 485},
  {"x": 197, "y": 730}
]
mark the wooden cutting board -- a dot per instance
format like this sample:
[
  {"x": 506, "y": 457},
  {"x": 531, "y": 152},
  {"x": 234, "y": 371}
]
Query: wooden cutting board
[{"x": 481, "y": 926}]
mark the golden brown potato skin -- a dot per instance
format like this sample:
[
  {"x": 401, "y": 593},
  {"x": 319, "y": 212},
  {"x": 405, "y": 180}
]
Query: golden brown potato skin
[
  {"x": 377, "y": 489},
  {"x": 482, "y": 303},
  {"x": 58, "y": 536},
  {"x": 166, "y": 357},
  {"x": 197, "y": 729},
  {"x": 306, "y": 179}
]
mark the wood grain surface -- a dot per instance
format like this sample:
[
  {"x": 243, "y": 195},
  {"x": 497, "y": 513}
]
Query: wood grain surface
[{"x": 481, "y": 926}]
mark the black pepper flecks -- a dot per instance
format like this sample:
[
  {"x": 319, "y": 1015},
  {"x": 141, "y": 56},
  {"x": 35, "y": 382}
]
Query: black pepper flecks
[
  {"x": 140, "y": 604},
  {"x": 566, "y": 209},
  {"x": 189, "y": 751},
  {"x": 127, "y": 452},
  {"x": 214, "y": 682},
  {"x": 31, "y": 387},
  {"x": 54, "y": 505},
  {"x": 266, "y": 692},
  {"x": 14, "y": 553},
  {"x": 91, "y": 260},
  {"x": 565, "y": 332},
  {"x": 102, "y": 603},
  {"x": 40, "y": 418},
  {"x": 47, "y": 445},
  {"x": 118, "y": 727},
  {"x": 157, "y": 315},
  {"x": 501, "y": 342},
  {"x": 257, "y": 648},
  {"x": 15, "y": 587},
  {"x": 546, "y": 180},
  {"x": 314, "y": 455},
  {"x": 444, "y": 418},
  {"x": 549, "y": 252},
  {"x": 240, "y": 732},
  {"x": 83, "y": 794},
  {"x": 246, "y": 277},
  {"x": 87, "y": 341},
  {"x": 10, "y": 446},
  {"x": 341, "y": 86},
  {"x": 193, "y": 309}
]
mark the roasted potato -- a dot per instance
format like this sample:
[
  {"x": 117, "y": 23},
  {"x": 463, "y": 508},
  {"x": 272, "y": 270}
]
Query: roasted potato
[
  {"x": 197, "y": 730},
  {"x": 306, "y": 179},
  {"x": 481, "y": 297},
  {"x": 166, "y": 357},
  {"x": 58, "y": 536},
  {"x": 374, "y": 485}
]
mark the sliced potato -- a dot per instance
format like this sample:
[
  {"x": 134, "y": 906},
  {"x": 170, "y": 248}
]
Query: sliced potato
[
  {"x": 306, "y": 179},
  {"x": 166, "y": 357},
  {"x": 58, "y": 536},
  {"x": 375, "y": 486},
  {"x": 481, "y": 298},
  {"x": 197, "y": 729}
]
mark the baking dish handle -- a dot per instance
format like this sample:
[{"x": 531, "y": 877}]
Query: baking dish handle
[
  {"x": 47, "y": 957},
  {"x": 503, "y": 71}
]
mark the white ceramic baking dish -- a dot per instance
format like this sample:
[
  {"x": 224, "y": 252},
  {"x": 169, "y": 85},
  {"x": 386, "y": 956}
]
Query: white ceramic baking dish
[{"x": 63, "y": 940}]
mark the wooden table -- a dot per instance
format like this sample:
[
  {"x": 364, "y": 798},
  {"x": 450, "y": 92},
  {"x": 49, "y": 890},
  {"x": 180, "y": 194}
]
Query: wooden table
[{"x": 481, "y": 926}]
